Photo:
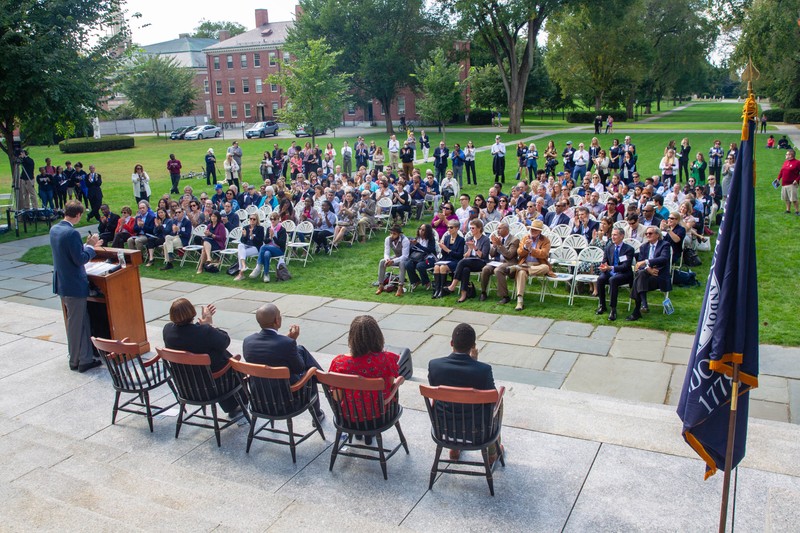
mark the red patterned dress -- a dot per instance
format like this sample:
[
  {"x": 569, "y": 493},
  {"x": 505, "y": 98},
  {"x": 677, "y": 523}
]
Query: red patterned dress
[{"x": 374, "y": 365}]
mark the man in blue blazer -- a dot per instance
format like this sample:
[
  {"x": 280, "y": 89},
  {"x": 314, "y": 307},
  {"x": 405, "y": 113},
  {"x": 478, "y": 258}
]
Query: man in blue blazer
[
  {"x": 583, "y": 225},
  {"x": 72, "y": 285},
  {"x": 268, "y": 347},
  {"x": 652, "y": 271},
  {"x": 615, "y": 271},
  {"x": 554, "y": 218}
]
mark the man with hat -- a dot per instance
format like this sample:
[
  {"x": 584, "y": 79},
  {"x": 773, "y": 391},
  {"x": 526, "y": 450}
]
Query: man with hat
[
  {"x": 395, "y": 253},
  {"x": 532, "y": 260},
  {"x": 218, "y": 199},
  {"x": 250, "y": 197}
]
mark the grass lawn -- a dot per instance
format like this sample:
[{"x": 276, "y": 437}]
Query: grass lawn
[
  {"x": 684, "y": 126},
  {"x": 700, "y": 111}
]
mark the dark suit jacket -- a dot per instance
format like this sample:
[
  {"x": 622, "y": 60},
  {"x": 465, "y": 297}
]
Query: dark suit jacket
[
  {"x": 660, "y": 261},
  {"x": 562, "y": 219},
  {"x": 69, "y": 256},
  {"x": 625, "y": 251},
  {"x": 460, "y": 370},
  {"x": 591, "y": 226},
  {"x": 199, "y": 338},
  {"x": 270, "y": 348}
]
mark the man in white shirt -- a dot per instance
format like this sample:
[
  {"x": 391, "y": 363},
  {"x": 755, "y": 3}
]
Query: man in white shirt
[
  {"x": 395, "y": 253},
  {"x": 581, "y": 159},
  {"x": 394, "y": 151},
  {"x": 499, "y": 160},
  {"x": 463, "y": 212}
]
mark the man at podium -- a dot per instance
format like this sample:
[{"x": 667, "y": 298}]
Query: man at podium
[{"x": 72, "y": 285}]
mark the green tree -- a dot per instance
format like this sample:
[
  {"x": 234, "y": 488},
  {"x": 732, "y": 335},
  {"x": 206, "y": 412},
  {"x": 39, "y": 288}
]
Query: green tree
[
  {"x": 378, "y": 41},
  {"x": 156, "y": 85},
  {"x": 486, "y": 88},
  {"x": 509, "y": 29},
  {"x": 208, "y": 29},
  {"x": 55, "y": 63},
  {"x": 441, "y": 88},
  {"x": 315, "y": 93}
]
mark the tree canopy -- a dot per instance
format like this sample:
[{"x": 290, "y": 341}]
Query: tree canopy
[
  {"x": 440, "y": 87},
  {"x": 208, "y": 29}
]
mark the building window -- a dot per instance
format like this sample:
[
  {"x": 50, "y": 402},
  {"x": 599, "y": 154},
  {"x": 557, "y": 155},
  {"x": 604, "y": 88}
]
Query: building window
[
  {"x": 216, "y": 62},
  {"x": 383, "y": 111},
  {"x": 205, "y": 85},
  {"x": 273, "y": 87},
  {"x": 243, "y": 60},
  {"x": 275, "y": 108},
  {"x": 231, "y": 86},
  {"x": 401, "y": 105},
  {"x": 229, "y": 60},
  {"x": 259, "y": 85},
  {"x": 245, "y": 85},
  {"x": 351, "y": 108},
  {"x": 272, "y": 60},
  {"x": 234, "y": 110},
  {"x": 247, "y": 110},
  {"x": 218, "y": 86},
  {"x": 286, "y": 57},
  {"x": 256, "y": 59},
  {"x": 220, "y": 111}
]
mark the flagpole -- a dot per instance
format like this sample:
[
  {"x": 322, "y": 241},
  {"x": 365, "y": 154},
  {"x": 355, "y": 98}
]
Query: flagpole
[{"x": 726, "y": 482}]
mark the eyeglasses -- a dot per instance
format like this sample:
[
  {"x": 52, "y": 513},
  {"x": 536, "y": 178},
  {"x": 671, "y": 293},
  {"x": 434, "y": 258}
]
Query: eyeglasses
[
  {"x": 650, "y": 233},
  {"x": 448, "y": 208},
  {"x": 254, "y": 218}
]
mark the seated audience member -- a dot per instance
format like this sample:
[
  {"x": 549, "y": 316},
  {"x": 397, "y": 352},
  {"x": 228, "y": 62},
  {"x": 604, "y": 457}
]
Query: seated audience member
[
  {"x": 201, "y": 338},
  {"x": 448, "y": 186},
  {"x": 615, "y": 271},
  {"x": 462, "y": 369},
  {"x": 368, "y": 359},
  {"x": 366, "y": 214},
  {"x": 249, "y": 243},
  {"x": 532, "y": 260},
  {"x": 395, "y": 253},
  {"x": 442, "y": 218},
  {"x": 416, "y": 192},
  {"x": 401, "y": 203},
  {"x": 583, "y": 225},
  {"x": 274, "y": 246},
  {"x": 661, "y": 211},
  {"x": 490, "y": 213},
  {"x": 475, "y": 256},
  {"x": 228, "y": 217},
  {"x": 107, "y": 227},
  {"x": 177, "y": 232},
  {"x": 144, "y": 224},
  {"x": 557, "y": 217},
  {"x": 156, "y": 238},
  {"x": 649, "y": 217},
  {"x": 452, "y": 246},
  {"x": 268, "y": 347},
  {"x": 432, "y": 191},
  {"x": 634, "y": 230},
  {"x": 215, "y": 239},
  {"x": 346, "y": 219},
  {"x": 674, "y": 233},
  {"x": 652, "y": 271},
  {"x": 463, "y": 212},
  {"x": 503, "y": 250},
  {"x": 324, "y": 226},
  {"x": 422, "y": 247},
  {"x": 612, "y": 211}
]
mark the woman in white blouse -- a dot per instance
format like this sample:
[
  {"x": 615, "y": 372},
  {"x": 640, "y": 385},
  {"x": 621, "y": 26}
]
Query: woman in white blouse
[{"x": 141, "y": 184}]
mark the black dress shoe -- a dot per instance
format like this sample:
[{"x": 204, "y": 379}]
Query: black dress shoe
[
  {"x": 600, "y": 310},
  {"x": 633, "y": 317},
  {"x": 612, "y": 316},
  {"x": 73, "y": 367},
  {"x": 89, "y": 366},
  {"x": 504, "y": 301},
  {"x": 483, "y": 297},
  {"x": 645, "y": 309}
]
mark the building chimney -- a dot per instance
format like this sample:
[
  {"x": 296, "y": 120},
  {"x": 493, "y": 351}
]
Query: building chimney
[
  {"x": 224, "y": 35},
  {"x": 183, "y": 36},
  {"x": 261, "y": 17}
]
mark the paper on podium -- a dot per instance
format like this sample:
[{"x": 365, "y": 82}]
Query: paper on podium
[{"x": 98, "y": 268}]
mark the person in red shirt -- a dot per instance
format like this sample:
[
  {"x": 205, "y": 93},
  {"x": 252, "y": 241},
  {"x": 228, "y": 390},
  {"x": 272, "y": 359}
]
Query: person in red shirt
[
  {"x": 790, "y": 181},
  {"x": 174, "y": 168}
]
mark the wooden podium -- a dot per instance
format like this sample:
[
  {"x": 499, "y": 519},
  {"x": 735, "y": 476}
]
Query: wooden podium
[{"x": 120, "y": 300}]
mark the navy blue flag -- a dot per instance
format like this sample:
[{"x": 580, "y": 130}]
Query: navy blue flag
[{"x": 727, "y": 330}]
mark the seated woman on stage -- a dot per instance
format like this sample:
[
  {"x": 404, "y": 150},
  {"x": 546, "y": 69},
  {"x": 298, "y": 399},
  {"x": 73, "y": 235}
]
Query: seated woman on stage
[
  {"x": 215, "y": 239},
  {"x": 475, "y": 256},
  {"x": 274, "y": 246},
  {"x": 250, "y": 243},
  {"x": 452, "y": 246},
  {"x": 182, "y": 333}
]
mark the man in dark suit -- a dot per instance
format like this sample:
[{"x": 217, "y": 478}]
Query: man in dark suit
[
  {"x": 650, "y": 217},
  {"x": 107, "y": 227},
  {"x": 652, "y": 271},
  {"x": 268, "y": 347},
  {"x": 72, "y": 285},
  {"x": 554, "y": 218},
  {"x": 462, "y": 369},
  {"x": 583, "y": 225},
  {"x": 615, "y": 270}
]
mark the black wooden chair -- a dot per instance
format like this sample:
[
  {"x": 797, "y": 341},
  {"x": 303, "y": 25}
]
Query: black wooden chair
[
  {"x": 273, "y": 398},
  {"x": 132, "y": 375},
  {"x": 359, "y": 408},
  {"x": 195, "y": 384},
  {"x": 465, "y": 419}
]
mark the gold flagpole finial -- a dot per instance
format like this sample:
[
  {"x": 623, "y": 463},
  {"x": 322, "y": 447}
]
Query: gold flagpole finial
[
  {"x": 750, "y": 74},
  {"x": 750, "y": 111}
]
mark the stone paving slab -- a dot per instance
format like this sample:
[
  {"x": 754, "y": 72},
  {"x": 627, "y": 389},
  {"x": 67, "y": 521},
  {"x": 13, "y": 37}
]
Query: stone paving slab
[
  {"x": 426, "y": 310},
  {"x": 561, "y": 362},
  {"x": 393, "y": 337},
  {"x": 154, "y": 309},
  {"x": 53, "y": 303},
  {"x": 510, "y": 337},
  {"x": 336, "y": 315},
  {"x": 522, "y": 324},
  {"x": 676, "y": 384},
  {"x": 779, "y": 361},
  {"x": 446, "y": 327},
  {"x": 45, "y": 292},
  {"x": 771, "y": 389},
  {"x": 149, "y": 284},
  {"x": 313, "y": 335},
  {"x": 676, "y": 355},
  {"x": 681, "y": 340},
  {"x": 794, "y": 401},
  {"x": 238, "y": 305},
  {"x": 295, "y": 305},
  {"x": 353, "y": 305},
  {"x": 6, "y": 265},
  {"x": 574, "y": 329},
  {"x": 26, "y": 270},
  {"x": 604, "y": 333},
  {"x": 165, "y": 295},
  {"x": 5, "y": 293},
  {"x": 24, "y": 353},
  {"x": 387, "y": 308},
  {"x": 259, "y": 296},
  {"x": 407, "y": 322},
  {"x": 47, "y": 277},
  {"x": 471, "y": 317},
  {"x": 436, "y": 346},
  {"x": 20, "y": 285},
  {"x": 527, "y": 376},
  {"x": 769, "y": 410},
  {"x": 629, "y": 379},
  {"x": 515, "y": 356},
  {"x": 569, "y": 343},
  {"x": 651, "y": 349}
]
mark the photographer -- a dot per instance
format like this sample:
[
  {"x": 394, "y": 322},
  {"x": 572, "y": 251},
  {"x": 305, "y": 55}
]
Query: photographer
[{"x": 141, "y": 184}]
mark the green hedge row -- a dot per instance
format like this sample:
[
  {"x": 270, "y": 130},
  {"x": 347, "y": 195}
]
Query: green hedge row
[
  {"x": 480, "y": 117},
  {"x": 791, "y": 116},
  {"x": 90, "y": 144},
  {"x": 587, "y": 117},
  {"x": 774, "y": 115}
]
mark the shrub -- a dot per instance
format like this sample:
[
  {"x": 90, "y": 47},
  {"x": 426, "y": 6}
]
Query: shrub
[
  {"x": 587, "y": 117},
  {"x": 480, "y": 117},
  {"x": 791, "y": 116},
  {"x": 774, "y": 115},
  {"x": 90, "y": 144}
]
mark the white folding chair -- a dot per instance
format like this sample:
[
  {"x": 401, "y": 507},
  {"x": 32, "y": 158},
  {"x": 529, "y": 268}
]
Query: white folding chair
[
  {"x": 604, "y": 196},
  {"x": 552, "y": 208},
  {"x": 229, "y": 253},
  {"x": 510, "y": 219},
  {"x": 192, "y": 248},
  {"x": 621, "y": 224},
  {"x": 264, "y": 212},
  {"x": 516, "y": 228},
  {"x": 242, "y": 214},
  {"x": 566, "y": 258},
  {"x": 555, "y": 240},
  {"x": 633, "y": 243},
  {"x": 251, "y": 209},
  {"x": 298, "y": 248},
  {"x": 562, "y": 230},
  {"x": 490, "y": 227},
  {"x": 591, "y": 254},
  {"x": 383, "y": 211},
  {"x": 575, "y": 241}
]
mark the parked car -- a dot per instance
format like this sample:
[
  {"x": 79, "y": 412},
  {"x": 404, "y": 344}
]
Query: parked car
[
  {"x": 303, "y": 130},
  {"x": 180, "y": 132},
  {"x": 202, "y": 132},
  {"x": 262, "y": 129}
]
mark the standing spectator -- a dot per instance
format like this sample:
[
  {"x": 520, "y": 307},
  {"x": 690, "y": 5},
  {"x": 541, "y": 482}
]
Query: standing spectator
[
  {"x": 598, "y": 123},
  {"x": 394, "y": 150},
  {"x": 141, "y": 184},
  {"x": 440, "y": 157},
  {"x": 610, "y": 124},
  {"x": 174, "y": 168},
  {"x": 94, "y": 182},
  {"x": 763, "y": 123},
  {"x": 458, "y": 158},
  {"x": 347, "y": 158},
  {"x": 362, "y": 154},
  {"x": 581, "y": 160},
  {"x": 211, "y": 167},
  {"x": 790, "y": 181},
  {"x": 699, "y": 166},
  {"x": 522, "y": 159},
  {"x": 236, "y": 152},
  {"x": 469, "y": 163},
  {"x": 27, "y": 197},
  {"x": 69, "y": 174},
  {"x": 683, "y": 160},
  {"x": 499, "y": 160},
  {"x": 45, "y": 182},
  {"x": 532, "y": 162},
  {"x": 407, "y": 158},
  {"x": 62, "y": 184},
  {"x": 425, "y": 144},
  {"x": 231, "y": 170},
  {"x": 714, "y": 160}
]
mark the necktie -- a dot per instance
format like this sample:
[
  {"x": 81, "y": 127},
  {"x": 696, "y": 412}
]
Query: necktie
[
  {"x": 652, "y": 252},
  {"x": 616, "y": 255}
]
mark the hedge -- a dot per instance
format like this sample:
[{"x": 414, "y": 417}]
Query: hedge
[
  {"x": 774, "y": 115},
  {"x": 587, "y": 117},
  {"x": 480, "y": 117},
  {"x": 90, "y": 144},
  {"x": 791, "y": 116}
]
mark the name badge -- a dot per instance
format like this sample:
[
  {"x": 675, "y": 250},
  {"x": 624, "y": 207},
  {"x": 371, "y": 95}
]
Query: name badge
[{"x": 623, "y": 258}]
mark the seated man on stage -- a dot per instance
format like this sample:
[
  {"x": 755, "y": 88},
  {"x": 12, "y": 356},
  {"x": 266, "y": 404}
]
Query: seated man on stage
[
  {"x": 532, "y": 260},
  {"x": 504, "y": 250},
  {"x": 268, "y": 347},
  {"x": 652, "y": 271},
  {"x": 615, "y": 270}
]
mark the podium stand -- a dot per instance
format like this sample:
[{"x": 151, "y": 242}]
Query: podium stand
[{"x": 118, "y": 312}]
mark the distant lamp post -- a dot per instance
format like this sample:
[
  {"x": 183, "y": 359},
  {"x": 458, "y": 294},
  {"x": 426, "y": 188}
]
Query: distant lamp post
[{"x": 636, "y": 111}]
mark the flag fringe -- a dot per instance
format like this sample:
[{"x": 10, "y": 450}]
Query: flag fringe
[{"x": 711, "y": 467}]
